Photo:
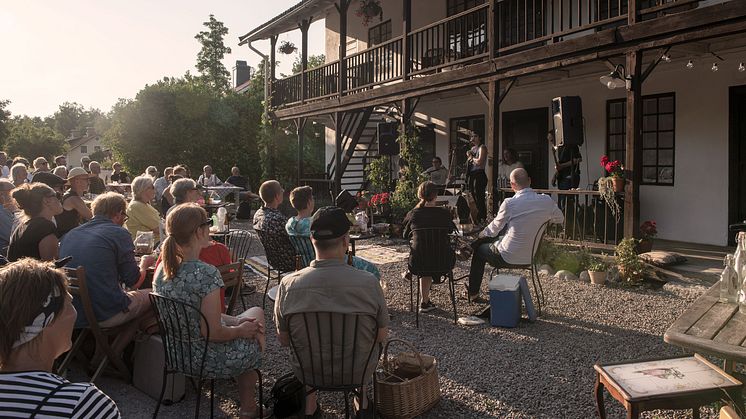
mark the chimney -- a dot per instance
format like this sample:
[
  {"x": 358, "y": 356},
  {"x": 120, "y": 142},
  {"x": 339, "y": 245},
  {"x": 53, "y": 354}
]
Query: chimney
[
  {"x": 241, "y": 72},
  {"x": 90, "y": 132}
]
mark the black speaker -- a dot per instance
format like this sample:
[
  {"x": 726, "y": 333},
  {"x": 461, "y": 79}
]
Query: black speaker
[
  {"x": 567, "y": 115},
  {"x": 387, "y": 134}
]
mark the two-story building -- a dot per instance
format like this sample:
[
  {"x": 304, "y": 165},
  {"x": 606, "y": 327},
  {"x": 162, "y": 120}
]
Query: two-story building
[
  {"x": 675, "y": 113},
  {"x": 82, "y": 144}
]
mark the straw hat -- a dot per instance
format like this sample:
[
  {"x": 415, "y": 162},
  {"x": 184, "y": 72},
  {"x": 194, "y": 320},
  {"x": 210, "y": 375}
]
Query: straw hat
[{"x": 75, "y": 172}]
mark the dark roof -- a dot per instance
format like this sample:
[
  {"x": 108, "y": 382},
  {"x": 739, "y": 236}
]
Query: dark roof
[{"x": 288, "y": 20}]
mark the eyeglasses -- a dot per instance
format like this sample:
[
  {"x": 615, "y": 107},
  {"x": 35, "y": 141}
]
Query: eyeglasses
[{"x": 207, "y": 223}]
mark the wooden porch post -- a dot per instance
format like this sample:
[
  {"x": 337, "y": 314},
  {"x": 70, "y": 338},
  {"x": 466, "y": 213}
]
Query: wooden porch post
[
  {"x": 633, "y": 153},
  {"x": 406, "y": 29},
  {"x": 342, "y": 9},
  {"x": 338, "y": 116},
  {"x": 492, "y": 141},
  {"x": 300, "y": 123},
  {"x": 492, "y": 29},
  {"x": 304, "y": 25},
  {"x": 272, "y": 65}
]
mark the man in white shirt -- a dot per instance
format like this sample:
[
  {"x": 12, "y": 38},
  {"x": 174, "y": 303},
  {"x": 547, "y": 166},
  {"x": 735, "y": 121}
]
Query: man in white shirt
[
  {"x": 437, "y": 173},
  {"x": 207, "y": 178},
  {"x": 520, "y": 217}
]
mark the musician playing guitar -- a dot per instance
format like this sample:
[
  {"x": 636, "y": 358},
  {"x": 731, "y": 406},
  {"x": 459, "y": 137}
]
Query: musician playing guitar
[
  {"x": 477, "y": 158},
  {"x": 567, "y": 160}
]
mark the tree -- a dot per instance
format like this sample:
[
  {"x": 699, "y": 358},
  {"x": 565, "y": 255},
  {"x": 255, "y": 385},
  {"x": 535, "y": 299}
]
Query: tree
[
  {"x": 32, "y": 138},
  {"x": 209, "y": 63},
  {"x": 4, "y": 121},
  {"x": 313, "y": 62},
  {"x": 74, "y": 117}
]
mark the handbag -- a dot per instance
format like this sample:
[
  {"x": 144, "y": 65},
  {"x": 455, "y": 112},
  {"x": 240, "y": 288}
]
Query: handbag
[
  {"x": 288, "y": 396},
  {"x": 406, "y": 384}
]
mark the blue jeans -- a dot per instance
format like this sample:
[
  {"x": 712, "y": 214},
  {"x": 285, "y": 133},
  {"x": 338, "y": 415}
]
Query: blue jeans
[{"x": 481, "y": 256}]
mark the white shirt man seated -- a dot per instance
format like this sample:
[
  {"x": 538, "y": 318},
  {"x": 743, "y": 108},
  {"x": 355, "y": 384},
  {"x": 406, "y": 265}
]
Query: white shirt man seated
[
  {"x": 520, "y": 217},
  {"x": 438, "y": 173}
]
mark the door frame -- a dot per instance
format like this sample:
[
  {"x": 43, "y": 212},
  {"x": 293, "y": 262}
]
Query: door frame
[
  {"x": 733, "y": 104},
  {"x": 544, "y": 150}
]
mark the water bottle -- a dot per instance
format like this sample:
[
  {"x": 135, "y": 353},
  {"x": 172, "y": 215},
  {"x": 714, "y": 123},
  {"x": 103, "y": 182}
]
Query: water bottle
[
  {"x": 222, "y": 215},
  {"x": 739, "y": 266},
  {"x": 729, "y": 286}
]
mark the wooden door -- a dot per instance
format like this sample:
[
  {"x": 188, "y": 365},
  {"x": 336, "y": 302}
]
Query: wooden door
[
  {"x": 525, "y": 131},
  {"x": 737, "y": 157}
]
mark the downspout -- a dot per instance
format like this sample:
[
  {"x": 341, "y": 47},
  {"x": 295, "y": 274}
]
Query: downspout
[{"x": 266, "y": 78}]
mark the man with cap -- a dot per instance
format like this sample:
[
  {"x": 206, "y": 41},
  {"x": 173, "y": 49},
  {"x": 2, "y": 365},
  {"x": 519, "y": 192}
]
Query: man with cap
[
  {"x": 8, "y": 218},
  {"x": 74, "y": 210},
  {"x": 329, "y": 284}
]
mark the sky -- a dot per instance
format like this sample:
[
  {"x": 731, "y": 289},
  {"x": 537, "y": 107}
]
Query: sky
[{"x": 94, "y": 52}]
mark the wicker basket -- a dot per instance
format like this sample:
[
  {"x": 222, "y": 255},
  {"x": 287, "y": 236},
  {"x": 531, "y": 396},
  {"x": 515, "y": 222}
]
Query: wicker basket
[{"x": 407, "y": 384}]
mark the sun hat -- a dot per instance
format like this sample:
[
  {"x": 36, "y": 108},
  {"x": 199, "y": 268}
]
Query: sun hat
[{"x": 75, "y": 172}]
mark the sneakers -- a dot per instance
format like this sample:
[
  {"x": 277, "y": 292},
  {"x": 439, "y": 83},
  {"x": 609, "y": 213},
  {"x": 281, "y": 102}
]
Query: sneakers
[{"x": 427, "y": 307}]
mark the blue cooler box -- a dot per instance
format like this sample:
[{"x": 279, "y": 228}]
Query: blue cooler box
[{"x": 505, "y": 300}]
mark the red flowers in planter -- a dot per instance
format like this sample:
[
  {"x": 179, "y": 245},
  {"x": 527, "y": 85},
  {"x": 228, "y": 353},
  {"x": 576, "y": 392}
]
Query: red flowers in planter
[
  {"x": 614, "y": 168},
  {"x": 648, "y": 230},
  {"x": 382, "y": 198}
]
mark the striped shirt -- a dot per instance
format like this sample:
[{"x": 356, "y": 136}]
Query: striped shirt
[{"x": 22, "y": 392}]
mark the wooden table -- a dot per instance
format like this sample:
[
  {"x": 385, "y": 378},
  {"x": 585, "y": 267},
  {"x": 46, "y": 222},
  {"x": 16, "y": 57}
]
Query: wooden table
[{"x": 711, "y": 327}]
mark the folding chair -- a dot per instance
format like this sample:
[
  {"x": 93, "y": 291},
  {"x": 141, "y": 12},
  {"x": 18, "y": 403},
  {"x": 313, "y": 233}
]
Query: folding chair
[
  {"x": 304, "y": 252},
  {"x": 280, "y": 256},
  {"x": 232, "y": 274},
  {"x": 334, "y": 351},
  {"x": 535, "y": 279},
  {"x": 431, "y": 254},
  {"x": 79, "y": 289},
  {"x": 185, "y": 346}
]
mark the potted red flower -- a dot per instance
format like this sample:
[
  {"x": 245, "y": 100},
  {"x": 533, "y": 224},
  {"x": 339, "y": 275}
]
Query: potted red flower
[
  {"x": 648, "y": 231},
  {"x": 616, "y": 171}
]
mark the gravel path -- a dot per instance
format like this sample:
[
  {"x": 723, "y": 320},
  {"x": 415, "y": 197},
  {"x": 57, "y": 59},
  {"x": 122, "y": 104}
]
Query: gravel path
[{"x": 542, "y": 369}]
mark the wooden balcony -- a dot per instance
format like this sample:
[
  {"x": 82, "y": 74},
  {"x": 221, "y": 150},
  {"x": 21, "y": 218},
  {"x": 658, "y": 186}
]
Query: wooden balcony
[{"x": 452, "y": 44}]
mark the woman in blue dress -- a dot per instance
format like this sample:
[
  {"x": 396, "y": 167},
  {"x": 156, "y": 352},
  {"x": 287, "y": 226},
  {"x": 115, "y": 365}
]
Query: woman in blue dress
[{"x": 236, "y": 342}]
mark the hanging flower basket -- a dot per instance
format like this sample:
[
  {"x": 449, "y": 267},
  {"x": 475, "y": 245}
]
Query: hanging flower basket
[
  {"x": 368, "y": 10},
  {"x": 287, "y": 47}
]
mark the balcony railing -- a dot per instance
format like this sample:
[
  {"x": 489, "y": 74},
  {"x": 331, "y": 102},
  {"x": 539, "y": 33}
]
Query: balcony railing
[{"x": 463, "y": 39}]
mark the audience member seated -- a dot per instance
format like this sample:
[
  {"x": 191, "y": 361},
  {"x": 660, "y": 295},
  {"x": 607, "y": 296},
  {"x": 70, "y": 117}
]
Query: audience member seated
[
  {"x": 183, "y": 191},
  {"x": 4, "y": 169},
  {"x": 301, "y": 199},
  {"x": 167, "y": 199},
  {"x": 162, "y": 183},
  {"x": 37, "y": 316},
  {"x": 329, "y": 284},
  {"x": 207, "y": 178},
  {"x": 141, "y": 215},
  {"x": 97, "y": 185},
  {"x": 74, "y": 208},
  {"x": 269, "y": 219},
  {"x": 41, "y": 165},
  {"x": 117, "y": 175},
  {"x": 19, "y": 174},
  {"x": 242, "y": 182},
  {"x": 85, "y": 163},
  {"x": 36, "y": 236},
  {"x": 236, "y": 343},
  {"x": 520, "y": 217},
  {"x": 437, "y": 173},
  {"x": 427, "y": 215},
  {"x": 60, "y": 161},
  {"x": 60, "y": 171},
  {"x": 50, "y": 179},
  {"x": 105, "y": 249},
  {"x": 7, "y": 215},
  {"x": 151, "y": 171}
]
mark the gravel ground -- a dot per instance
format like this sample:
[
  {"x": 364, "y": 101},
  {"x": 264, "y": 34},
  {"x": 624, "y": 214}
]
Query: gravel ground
[{"x": 542, "y": 369}]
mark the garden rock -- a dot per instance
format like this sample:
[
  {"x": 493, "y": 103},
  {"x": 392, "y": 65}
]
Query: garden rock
[
  {"x": 566, "y": 276},
  {"x": 585, "y": 277},
  {"x": 546, "y": 270}
]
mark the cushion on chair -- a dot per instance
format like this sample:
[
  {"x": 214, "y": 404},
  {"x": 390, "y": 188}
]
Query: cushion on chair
[{"x": 662, "y": 259}]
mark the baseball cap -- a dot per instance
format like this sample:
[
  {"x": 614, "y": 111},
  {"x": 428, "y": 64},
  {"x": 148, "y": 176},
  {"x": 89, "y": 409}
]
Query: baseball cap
[
  {"x": 329, "y": 223},
  {"x": 49, "y": 179}
]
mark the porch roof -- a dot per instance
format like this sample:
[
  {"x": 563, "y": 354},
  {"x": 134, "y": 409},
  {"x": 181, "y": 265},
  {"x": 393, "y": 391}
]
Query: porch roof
[{"x": 287, "y": 20}]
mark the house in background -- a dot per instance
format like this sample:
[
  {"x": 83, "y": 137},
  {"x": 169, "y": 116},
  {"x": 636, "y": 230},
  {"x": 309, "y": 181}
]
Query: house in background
[
  {"x": 82, "y": 144},
  {"x": 675, "y": 116}
]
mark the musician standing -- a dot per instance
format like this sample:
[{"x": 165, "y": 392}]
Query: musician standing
[
  {"x": 567, "y": 167},
  {"x": 437, "y": 173},
  {"x": 477, "y": 156}
]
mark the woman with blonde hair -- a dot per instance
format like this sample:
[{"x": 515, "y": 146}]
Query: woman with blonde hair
[
  {"x": 36, "y": 236},
  {"x": 36, "y": 326},
  {"x": 142, "y": 215},
  {"x": 426, "y": 214},
  {"x": 236, "y": 343}
]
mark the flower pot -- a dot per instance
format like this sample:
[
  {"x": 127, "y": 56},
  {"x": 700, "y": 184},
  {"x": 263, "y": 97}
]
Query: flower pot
[
  {"x": 396, "y": 230},
  {"x": 597, "y": 278},
  {"x": 618, "y": 184},
  {"x": 644, "y": 246}
]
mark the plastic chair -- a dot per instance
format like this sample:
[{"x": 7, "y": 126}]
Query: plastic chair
[
  {"x": 334, "y": 351},
  {"x": 185, "y": 346},
  {"x": 431, "y": 253},
  {"x": 535, "y": 280},
  {"x": 280, "y": 256},
  {"x": 304, "y": 252},
  {"x": 79, "y": 289}
]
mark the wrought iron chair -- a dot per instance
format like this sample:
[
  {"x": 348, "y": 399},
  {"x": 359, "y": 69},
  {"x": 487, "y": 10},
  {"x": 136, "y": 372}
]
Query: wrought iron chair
[
  {"x": 431, "y": 254},
  {"x": 239, "y": 242},
  {"x": 232, "y": 274},
  {"x": 280, "y": 258},
  {"x": 185, "y": 346},
  {"x": 334, "y": 351},
  {"x": 304, "y": 252},
  {"x": 79, "y": 289},
  {"x": 535, "y": 279}
]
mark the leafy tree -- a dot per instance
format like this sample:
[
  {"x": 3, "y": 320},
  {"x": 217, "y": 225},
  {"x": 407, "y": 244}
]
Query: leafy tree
[
  {"x": 313, "y": 62},
  {"x": 209, "y": 58},
  {"x": 74, "y": 117},
  {"x": 31, "y": 138},
  {"x": 4, "y": 121}
]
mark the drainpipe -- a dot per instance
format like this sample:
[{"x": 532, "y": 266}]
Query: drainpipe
[{"x": 266, "y": 78}]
